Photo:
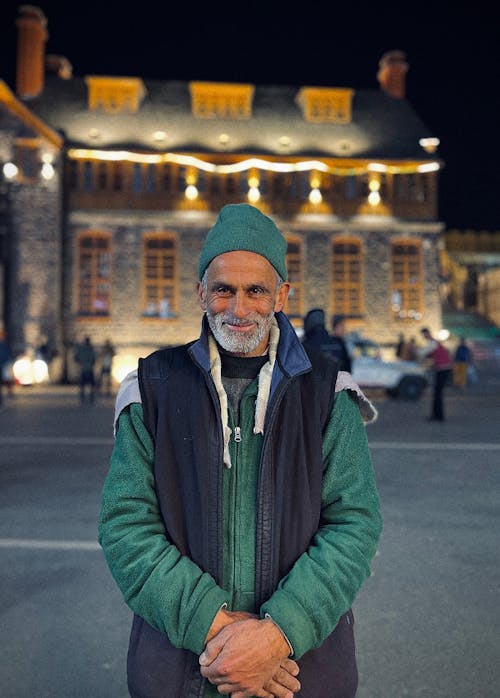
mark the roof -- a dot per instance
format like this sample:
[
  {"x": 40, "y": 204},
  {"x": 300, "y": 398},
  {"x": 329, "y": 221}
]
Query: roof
[
  {"x": 17, "y": 119},
  {"x": 382, "y": 127}
]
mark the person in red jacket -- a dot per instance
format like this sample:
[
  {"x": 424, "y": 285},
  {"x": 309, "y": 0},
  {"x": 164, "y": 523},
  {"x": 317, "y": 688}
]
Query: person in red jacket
[{"x": 442, "y": 366}]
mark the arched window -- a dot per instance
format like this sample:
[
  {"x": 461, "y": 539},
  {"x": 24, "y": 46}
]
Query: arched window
[
  {"x": 406, "y": 280},
  {"x": 347, "y": 297},
  {"x": 93, "y": 267},
  {"x": 294, "y": 306},
  {"x": 160, "y": 286}
]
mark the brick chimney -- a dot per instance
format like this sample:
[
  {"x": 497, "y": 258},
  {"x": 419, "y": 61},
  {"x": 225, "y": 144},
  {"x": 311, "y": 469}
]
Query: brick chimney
[
  {"x": 31, "y": 37},
  {"x": 392, "y": 69}
]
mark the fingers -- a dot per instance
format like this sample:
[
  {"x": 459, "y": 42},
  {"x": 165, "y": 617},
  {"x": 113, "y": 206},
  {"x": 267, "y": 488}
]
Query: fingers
[
  {"x": 290, "y": 666},
  {"x": 283, "y": 684},
  {"x": 277, "y": 691}
]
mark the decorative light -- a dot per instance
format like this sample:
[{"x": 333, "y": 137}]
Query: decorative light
[
  {"x": 314, "y": 180},
  {"x": 374, "y": 198},
  {"x": 191, "y": 192},
  {"x": 374, "y": 185},
  {"x": 47, "y": 171},
  {"x": 224, "y": 138},
  {"x": 94, "y": 133},
  {"x": 28, "y": 371},
  {"x": 443, "y": 335},
  {"x": 10, "y": 171},
  {"x": 248, "y": 164},
  {"x": 428, "y": 167},
  {"x": 430, "y": 145},
  {"x": 315, "y": 196},
  {"x": 253, "y": 194},
  {"x": 253, "y": 181},
  {"x": 284, "y": 141},
  {"x": 159, "y": 136},
  {"x": 377, "y": 167}
]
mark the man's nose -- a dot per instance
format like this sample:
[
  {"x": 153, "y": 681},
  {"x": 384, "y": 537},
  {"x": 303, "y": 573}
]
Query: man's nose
[{"x": 240, "y": 304}]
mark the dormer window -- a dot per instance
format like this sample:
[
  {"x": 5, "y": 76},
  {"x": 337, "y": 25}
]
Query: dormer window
[
  {"x": 326, "y": 104},
  {"x": 115, "y": 95},
  {"x": 221, "y": 100}
]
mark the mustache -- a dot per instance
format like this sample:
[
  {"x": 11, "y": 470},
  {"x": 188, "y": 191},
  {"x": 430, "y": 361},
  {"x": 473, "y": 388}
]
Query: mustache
[{"x": 227, "y": 318}]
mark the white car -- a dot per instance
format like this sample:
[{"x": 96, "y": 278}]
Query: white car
[{"x": 403, "y": 379}]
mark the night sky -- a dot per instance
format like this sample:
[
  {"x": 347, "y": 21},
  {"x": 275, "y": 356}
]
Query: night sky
[{"x": 453, "y": 53}]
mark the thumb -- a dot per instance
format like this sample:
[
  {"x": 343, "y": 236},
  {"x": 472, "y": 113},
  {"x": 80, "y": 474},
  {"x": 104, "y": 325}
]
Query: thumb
[{"x": 211, "y": 651}]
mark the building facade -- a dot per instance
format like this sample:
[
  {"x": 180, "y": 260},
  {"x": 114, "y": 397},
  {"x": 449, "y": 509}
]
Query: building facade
[{"x": 111, "y": 183}]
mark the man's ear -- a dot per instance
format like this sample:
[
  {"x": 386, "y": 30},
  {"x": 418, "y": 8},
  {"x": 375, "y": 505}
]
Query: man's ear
[
  {"x": 281, "y": 296},
  {"x": 202, "y": 300}
]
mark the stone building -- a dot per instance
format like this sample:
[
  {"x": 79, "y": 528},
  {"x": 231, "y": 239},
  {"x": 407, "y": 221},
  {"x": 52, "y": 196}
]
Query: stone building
[{"x": 111, "y": 183}]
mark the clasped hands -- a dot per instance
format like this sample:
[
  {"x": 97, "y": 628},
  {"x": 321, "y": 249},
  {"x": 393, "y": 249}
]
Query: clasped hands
[{"x": 245, "y": 656}]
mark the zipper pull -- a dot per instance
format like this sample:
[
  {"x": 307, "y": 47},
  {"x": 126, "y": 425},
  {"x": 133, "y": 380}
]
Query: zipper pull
[{"x": 237, "y": 434}]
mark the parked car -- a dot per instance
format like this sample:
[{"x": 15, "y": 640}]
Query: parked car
[{"x": 406, "y": 380}]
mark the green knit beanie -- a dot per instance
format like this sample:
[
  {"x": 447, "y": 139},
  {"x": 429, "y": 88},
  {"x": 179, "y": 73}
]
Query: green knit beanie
[{"x": 244, "y": 227}]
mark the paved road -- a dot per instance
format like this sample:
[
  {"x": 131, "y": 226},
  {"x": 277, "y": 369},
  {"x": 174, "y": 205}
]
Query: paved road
[{"x": 427, "y": 620}]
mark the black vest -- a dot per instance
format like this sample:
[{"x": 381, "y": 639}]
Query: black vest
[{"x": 182, "y": 412}]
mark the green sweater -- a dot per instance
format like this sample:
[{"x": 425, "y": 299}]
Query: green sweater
[{"x": 175, "y": 596}]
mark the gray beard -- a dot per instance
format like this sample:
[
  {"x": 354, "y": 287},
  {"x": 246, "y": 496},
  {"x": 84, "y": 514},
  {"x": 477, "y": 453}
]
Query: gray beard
[{"x": 236, "y": 343}]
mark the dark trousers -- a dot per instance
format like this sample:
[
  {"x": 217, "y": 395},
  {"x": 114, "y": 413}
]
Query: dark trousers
[
  {"x": 441, "y": 379},
  {"x": 87, "y": 378}
]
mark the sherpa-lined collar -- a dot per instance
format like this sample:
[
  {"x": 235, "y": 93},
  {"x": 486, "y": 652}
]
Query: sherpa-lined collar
[
  {"x": 287, "y": 357},
  {"x": 265, "y": 375}
]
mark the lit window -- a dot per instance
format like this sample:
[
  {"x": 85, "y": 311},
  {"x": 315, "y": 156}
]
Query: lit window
[
  {"x": 94, "y": 274},
  {"x": 160, "y": 275},
  {"x": 347, "y": 277},
  {"x": 294, "y": 305},
  {"x": 406, "y": 280}
]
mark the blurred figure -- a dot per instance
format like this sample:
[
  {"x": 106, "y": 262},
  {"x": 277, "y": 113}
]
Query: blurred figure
[
  {"x": 410, "y": 350},
  {"x": 315, "y": 333},
  {"x": 85, "y": 356},
  {"x": 105, "y": 380},
  {"x": 338, "y": 329},
  {"x": 400, "y": 346},
  {"x": 461, "y": 362},
  {"x": 441, "y": 363},
  {"x": 6, "y": 359},
  {"x": 317, "y": 337}
]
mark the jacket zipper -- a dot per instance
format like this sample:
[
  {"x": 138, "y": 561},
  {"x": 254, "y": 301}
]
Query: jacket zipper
[{"x": 237, "y": 434}]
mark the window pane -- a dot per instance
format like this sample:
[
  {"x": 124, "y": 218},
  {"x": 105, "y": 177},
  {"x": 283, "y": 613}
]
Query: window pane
[
  {"x": 407, "y": 282},
  {"x": 94, "y": 274},
  {"x": 160, "y": 275},
  {"x": 294, "y": 305},
  {"x": 347, "y": 277}
]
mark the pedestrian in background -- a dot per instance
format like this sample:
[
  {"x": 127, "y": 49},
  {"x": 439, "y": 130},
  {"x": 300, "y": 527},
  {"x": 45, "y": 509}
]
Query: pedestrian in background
[
  {"x": 410, "y": 351},
  {"x": 316, "y": 336},
  {"x": 400, "y": 346},
  {"x": 85, "y": 357},
  {"x": 441, "y": 364},
  {"x": 338, "y": 336},
  {"x": 240, "y": 513},
  {"x": 461, "y": 363},
  {"x": 6, "y": 360},
  {"x": 106, "y": 379}
]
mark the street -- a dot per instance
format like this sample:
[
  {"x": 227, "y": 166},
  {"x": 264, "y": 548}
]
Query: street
[{"x": 427, "y": 620}]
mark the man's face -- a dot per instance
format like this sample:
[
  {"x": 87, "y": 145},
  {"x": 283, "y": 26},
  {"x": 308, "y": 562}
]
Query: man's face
[{"x": 240, "y": 300}]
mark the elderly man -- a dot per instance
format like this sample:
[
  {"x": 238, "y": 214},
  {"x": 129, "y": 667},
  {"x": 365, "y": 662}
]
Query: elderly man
[{"x": 240, "y": 513}]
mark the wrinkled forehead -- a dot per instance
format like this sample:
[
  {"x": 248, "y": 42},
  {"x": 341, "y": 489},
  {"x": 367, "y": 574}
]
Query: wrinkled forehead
[{"x": 242, "y": 263}]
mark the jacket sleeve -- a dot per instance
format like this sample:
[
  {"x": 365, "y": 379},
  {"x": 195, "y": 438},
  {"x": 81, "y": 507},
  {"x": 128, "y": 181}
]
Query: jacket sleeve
[
  {"x": 324, "y": 581},
  {"x": 159, "y": 584}
]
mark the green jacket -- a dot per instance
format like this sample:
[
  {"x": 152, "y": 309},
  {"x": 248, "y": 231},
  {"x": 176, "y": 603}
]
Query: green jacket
[{"x": 175, "y": 596}]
